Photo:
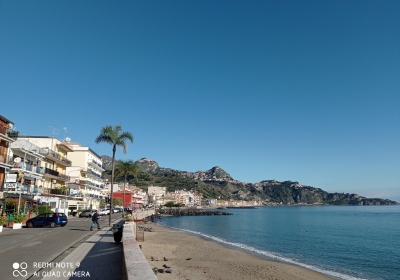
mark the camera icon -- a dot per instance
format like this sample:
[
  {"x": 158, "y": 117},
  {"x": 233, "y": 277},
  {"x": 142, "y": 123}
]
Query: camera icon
[{"x": 21, "y": 266}]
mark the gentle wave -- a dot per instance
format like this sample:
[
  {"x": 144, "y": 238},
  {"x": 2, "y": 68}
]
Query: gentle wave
[{"x": 275, "y": 256}]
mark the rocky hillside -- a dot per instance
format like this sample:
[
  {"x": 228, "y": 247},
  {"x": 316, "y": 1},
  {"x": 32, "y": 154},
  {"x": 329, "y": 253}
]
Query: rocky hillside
[
  {"x": 217, "y": 183},
  {"x": 107, "y": 161}
]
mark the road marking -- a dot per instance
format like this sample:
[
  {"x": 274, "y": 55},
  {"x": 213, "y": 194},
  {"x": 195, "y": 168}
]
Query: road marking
[{"x": 32, "y": 244}]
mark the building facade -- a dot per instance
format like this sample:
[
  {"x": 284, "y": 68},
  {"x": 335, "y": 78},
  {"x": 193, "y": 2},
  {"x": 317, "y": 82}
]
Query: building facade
[
  {"x": 6, "y": 138},
  {"x": 86, "y": 177}
]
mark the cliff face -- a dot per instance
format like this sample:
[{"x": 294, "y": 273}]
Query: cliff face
[
  {"x": 218, "y": 182},
  {"x": 107, "y": 161}
]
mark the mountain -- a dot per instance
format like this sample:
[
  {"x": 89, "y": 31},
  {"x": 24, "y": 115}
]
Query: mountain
[
  {"x": 217, "y": 183},
  {"x": 107, "y": 162}
]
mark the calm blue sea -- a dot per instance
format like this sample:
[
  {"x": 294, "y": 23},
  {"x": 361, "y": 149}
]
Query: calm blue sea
[{"x": 343, "y": 242}]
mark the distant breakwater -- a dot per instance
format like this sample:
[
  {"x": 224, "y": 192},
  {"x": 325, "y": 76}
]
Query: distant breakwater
[
  {"x": 191, "y": 212},
  {"x": 241, "y": 207}
]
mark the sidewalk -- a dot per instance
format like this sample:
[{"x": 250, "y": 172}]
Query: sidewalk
[{"x": 99, "y": 257}]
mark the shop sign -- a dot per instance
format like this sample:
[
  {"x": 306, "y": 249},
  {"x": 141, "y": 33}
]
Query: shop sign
[
  {"x": 11, "y": 178},
  {"x": 10, "y": 185}
]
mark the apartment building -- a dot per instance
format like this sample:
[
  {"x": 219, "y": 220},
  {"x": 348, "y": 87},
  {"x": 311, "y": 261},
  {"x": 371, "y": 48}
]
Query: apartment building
[
  {"x": 6, "y": 138},
  {"x": 157, "y": 195},
  {"x": 86, "y": 176},
  {"x": 55, "y": 161},
  {"x": 25, "y": 174}
]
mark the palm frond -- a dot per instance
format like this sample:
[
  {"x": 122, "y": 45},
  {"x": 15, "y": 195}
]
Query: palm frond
[
  {"x": 104, "y": 138},
  {"x": 126, "y": 136}
]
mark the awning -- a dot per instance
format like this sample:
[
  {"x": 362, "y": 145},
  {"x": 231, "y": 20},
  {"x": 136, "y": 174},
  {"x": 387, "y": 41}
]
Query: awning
[
  {"x": 33, "y": 176},
  {"x": 5, "y": 166}
]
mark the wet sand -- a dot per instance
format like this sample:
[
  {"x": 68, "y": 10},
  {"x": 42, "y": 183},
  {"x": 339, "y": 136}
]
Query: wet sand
[{"x": 195, "y": 258}]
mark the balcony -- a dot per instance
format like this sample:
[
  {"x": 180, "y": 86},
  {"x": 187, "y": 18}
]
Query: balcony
[
  {"x": 23, "y": 189},
  {"x": 97, "y": 176},
  {"x": 51, "y": 172},
  {"x": 50, "y": 154},
  {"x": 96, "y": 165},
  {"x": 88, "y": 183},
  {"x": 26, "y": 146},
  {"x": 27, "y": 167},
  {"x": 66, "y": 192},
  {"x": 9, "y": 133}
]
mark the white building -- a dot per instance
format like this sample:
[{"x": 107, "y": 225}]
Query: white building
[
  {"x": 85, "y": 176},
  {"x": 25, "y": 175},
  {"x": 157, "y": 195}
]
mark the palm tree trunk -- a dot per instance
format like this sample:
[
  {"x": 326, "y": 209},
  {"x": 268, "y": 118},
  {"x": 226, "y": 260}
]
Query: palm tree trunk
[
  {"x": 123, "y": 200},
  {"x": 112, "y": 185}
]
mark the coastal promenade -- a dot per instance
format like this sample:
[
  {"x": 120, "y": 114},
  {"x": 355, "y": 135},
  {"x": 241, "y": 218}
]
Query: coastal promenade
[{"x": 43, "y": 248}]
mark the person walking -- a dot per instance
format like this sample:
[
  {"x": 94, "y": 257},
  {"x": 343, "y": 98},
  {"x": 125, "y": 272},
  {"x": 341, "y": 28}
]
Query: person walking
[{"x": 95, "y": 219}]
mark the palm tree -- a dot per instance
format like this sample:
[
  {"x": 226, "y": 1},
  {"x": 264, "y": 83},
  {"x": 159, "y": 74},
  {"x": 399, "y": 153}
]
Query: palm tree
[
  {"x": 126, "y": 167},
  {"x": 116, "y": 137}
]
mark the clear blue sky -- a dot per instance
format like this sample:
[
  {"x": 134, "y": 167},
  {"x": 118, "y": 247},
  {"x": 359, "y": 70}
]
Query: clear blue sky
[{"x": 305, "y": 91}]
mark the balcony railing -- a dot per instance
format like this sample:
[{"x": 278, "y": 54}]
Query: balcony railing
[
  {"x": 23, "y": 144},
  {"x": 23, "y": 188},
  {"x": 12, "y": 133},
  {"x": 95, "y": 163},
  {"x": 97, "y": 175},
  {"x": 8, "y": 132},
  {"x": 50, "y": 153},
  {"x": 51, "y": 172},
  {"x": 27, "y": 166}
]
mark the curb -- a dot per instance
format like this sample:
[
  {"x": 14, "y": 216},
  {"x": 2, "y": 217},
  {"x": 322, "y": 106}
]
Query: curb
[{"x": 136, "y": 266}]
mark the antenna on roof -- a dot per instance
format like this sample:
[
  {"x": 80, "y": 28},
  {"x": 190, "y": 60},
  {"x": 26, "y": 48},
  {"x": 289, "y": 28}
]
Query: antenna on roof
[
  {"x": 68, "y": 139},
  {"x": 65, "y": 131},
  {"x": 52, "y": 135}
]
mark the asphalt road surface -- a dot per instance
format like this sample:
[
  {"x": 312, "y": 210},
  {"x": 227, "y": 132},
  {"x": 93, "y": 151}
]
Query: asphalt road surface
[{"x": 37, "y": 246}]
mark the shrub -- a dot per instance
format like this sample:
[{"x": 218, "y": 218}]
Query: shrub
[
  {"x": 128, "y": 218},
  {"x": 44, "y": 209},
  {"x": 2, "y": 221},
  {"x": 18, "y": 218}
]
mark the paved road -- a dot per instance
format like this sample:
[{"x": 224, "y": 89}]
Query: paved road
[{"x": 41, "y": 245}]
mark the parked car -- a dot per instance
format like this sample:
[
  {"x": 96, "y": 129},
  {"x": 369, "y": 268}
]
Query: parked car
[
  {"x": 87, "y": 213},
  {"x": 108, "y": 208},
  {"x": 48, "y": 219},
  {"x": 102, "y": 212},
  {"x": 116, "y": 210}
]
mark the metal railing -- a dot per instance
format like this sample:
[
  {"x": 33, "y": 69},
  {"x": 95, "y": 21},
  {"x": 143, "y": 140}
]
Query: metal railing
[
  {"x": 97, "y": 175},
  {"x": 57, "y": 156},
  {"x": 25, "y": 145},
  {"x": 27, "y": 166},
  {"x": 51, "y": 172},
  {"x": 96, "y": 164},
  {"x": 8, "y": 131}
]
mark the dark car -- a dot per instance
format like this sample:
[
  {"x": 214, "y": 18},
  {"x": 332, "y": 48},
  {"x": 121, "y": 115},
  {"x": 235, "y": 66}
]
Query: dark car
[{"x": 48, "y": 219}]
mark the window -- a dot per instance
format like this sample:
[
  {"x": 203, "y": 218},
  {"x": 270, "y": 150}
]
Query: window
[{"x": 53, "y": 205}]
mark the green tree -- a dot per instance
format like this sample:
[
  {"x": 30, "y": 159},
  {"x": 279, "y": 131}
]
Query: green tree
[
  {"x": 170, "y": 204},
  {"x": 102, "y": 203},
  {"x": 124, "y": 168},
  {"x": 115, "y": 137},
  {"x": 116, "y": 201}
]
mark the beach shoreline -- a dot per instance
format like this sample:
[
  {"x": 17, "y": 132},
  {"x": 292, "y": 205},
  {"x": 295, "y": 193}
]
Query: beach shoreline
[{"x": 197, "y": 258}]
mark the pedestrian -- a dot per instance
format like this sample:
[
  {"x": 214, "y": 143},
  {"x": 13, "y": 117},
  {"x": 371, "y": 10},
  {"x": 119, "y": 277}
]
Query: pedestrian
[{"x": 95, "y": 219}]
